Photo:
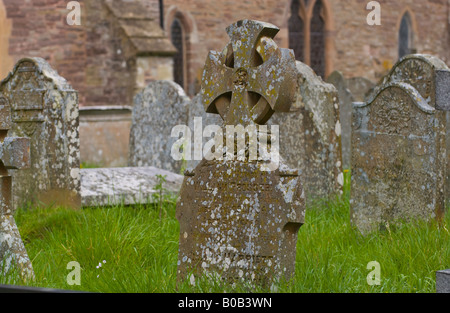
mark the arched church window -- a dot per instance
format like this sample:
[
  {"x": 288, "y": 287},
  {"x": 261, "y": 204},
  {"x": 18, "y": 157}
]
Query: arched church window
[
  {"x": 296, "y": 31},
  {"x": 317, "y": 39},
  {"x": 405, "y": 36},
  {"x": 177, "y": 37}
]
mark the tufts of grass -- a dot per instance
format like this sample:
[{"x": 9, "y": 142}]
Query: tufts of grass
[{"x": 129, "y": 249}]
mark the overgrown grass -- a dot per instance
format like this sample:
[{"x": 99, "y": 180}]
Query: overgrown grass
[{"x": 140, "y": 251}]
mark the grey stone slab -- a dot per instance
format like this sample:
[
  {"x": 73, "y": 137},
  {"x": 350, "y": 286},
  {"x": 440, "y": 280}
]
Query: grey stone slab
[
  {"x": 443, "y": 281},
  {"x": 124, "y": 185}
]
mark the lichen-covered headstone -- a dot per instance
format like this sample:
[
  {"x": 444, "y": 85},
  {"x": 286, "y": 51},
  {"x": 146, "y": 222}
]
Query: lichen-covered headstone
[
  {"x": 310, "y": 135},
  {"x": 157, "y": 109},
  {"x": 14, "y": 154},
  {"x": 398, "y": 147},
  {"x": 45, "y": 109},
  {"x": 238, "y": 217}
]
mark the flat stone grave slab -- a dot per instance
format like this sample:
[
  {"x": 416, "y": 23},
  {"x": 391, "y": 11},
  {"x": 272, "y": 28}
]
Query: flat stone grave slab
[{"x": 124, "y": 185}]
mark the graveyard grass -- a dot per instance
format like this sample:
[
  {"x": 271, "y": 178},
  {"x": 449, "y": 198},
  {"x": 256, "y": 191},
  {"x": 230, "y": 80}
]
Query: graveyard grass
[{"x": 138, "y": 252}]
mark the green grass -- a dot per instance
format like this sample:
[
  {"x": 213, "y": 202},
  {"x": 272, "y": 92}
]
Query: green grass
[{"x": 140, "y": 251}]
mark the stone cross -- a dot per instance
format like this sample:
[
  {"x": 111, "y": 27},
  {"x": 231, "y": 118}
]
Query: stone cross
[
  {"x": 248, "y": 81},
  {"x": 239, "y": 223},
  {"x": 14, "y": 154}
]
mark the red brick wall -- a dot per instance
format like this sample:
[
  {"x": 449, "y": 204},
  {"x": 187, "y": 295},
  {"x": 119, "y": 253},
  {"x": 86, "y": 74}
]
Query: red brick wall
[
  {"x": 39, "y": 29},
  {"x": 91, "y": 56},
  {"x": 356, "y": 48}
]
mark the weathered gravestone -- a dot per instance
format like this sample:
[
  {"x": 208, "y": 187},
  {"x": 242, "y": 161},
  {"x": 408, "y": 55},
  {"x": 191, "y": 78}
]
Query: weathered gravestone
[
  {"x": 238, "y": 217},
  {"x": 158, "y": 108},
  {"x": 398, "y": 147},
  {"x": 310, "y": 135},
  {"x": 14, "y": 154},
  {"x": 45, "y": 109}
]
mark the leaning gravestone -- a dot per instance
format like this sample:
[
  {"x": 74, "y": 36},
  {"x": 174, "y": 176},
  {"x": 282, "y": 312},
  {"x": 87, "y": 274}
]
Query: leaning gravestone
[
  {"x": 14, "y": 154},
  {"x": 310, "y": 135},
  {"x": 45, "y": 109},
  {"x": 398, "y": 147},
  {"x": 238, "y": 216},
  {"x": 157, "y": 109}
]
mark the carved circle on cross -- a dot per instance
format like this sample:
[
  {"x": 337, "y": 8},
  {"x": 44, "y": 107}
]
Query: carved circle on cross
[{"x": 251, "y": 78}]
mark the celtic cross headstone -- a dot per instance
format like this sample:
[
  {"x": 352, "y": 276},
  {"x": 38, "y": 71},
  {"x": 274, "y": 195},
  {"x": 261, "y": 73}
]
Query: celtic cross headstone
[{"x": 238, "y": 219}]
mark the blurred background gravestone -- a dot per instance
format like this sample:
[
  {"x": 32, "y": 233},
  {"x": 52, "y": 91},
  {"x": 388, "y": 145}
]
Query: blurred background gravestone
[
  {"x": 398, "y": 148},
  {"x": 159, "y": 107},
  {"x": 45, "y": 109}
]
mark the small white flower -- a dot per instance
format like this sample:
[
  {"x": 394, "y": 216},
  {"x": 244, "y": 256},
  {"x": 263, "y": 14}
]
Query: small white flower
[{"x": 104, "y": 261}]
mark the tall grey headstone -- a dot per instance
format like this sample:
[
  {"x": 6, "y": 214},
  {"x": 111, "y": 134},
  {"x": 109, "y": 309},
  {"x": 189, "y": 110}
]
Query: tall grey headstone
[{"x": 157, "y": 109}]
